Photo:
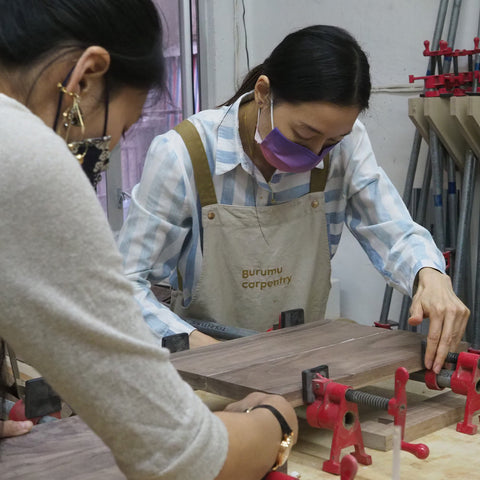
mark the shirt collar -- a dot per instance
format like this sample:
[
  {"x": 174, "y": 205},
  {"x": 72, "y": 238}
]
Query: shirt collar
[{"x": 230, "y": 151}]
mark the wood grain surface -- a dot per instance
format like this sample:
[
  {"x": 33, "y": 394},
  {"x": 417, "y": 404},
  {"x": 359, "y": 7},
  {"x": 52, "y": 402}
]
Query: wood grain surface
[
  {"x": 69, "y": 450},
  {"x": 272, "y": 362},
  {"x": 63, "y": 450}
]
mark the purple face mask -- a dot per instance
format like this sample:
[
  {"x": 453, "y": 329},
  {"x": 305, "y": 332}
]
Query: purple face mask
[{"x": 285, "y": 155}]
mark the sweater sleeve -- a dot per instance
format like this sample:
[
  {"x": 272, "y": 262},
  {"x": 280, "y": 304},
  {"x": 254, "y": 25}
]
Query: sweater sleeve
[{"x": 67, "y": 309}]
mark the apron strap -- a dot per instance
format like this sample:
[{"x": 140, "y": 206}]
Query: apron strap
[
  {"x": 201, "y": 169},
  {"x": 318, "y": 177},
  {"x": 198, "y": 157}
]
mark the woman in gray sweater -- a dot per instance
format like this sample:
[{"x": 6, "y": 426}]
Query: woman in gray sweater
[{"x": 74, "y": 75}]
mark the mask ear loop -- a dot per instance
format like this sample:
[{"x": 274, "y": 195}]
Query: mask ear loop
[
  {"x": 107, "y": 103},
  {"x": 271, "y": 111}
]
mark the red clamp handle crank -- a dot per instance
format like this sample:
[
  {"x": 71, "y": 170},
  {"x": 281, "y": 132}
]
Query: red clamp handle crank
[{"x": 397, "y": 407}]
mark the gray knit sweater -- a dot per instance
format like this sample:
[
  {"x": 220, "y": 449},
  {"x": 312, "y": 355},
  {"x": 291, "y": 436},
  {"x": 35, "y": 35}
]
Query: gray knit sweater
[{"x": 67, "y": 309}]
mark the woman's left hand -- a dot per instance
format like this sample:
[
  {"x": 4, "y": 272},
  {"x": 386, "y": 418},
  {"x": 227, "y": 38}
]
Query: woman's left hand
[
  {"x": 436, "y": 300},
  {"x": 10, "y": 428}
]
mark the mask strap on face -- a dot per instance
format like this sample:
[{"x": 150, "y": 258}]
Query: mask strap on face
[
  {"x": 271, "y": 111},
  {"x": 107, "y": 102},
  {"x": 258, "y": 138}
]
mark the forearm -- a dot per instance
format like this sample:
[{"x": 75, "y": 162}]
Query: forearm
[
  {"x": 397, "y": 246},
  {"x": 254, "y": 437}
]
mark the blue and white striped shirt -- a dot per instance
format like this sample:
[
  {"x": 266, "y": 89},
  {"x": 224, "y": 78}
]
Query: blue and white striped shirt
[{"x": 163, "y": 227}]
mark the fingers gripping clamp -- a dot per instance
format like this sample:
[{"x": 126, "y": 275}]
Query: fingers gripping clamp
[{"x": 465, "y": 380}]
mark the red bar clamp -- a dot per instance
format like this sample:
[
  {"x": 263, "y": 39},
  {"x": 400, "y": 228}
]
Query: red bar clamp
[
  {"x": 448, "y": 84},
  {"x": 278, "y": 476},
  {"x": 328, "y": 408},
  {"x": 465, "y": 380},
  {"x": 334, "y": 406},
  {"x": 348, "y": 470}
]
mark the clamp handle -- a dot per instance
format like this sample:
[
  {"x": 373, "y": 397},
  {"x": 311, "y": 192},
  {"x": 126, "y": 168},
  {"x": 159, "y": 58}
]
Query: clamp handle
[
  {"x": 278, "y": 476},
  {"x": 397, "y": 407},
  {"x": 348, "y": 467}
]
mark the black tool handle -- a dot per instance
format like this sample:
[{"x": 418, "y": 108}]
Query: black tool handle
[{"x": 219, "y": 331}]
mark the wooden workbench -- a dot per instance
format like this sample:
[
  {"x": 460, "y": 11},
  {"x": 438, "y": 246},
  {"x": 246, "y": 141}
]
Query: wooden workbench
[{"x": 69, "y": 450}]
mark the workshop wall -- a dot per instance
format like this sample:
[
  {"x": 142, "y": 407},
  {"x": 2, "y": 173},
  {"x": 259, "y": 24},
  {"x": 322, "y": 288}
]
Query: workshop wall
[{"x": 392, "y": 34}]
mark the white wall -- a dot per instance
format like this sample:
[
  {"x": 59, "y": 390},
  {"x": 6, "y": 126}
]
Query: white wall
[{"x": 392, "y": 33}]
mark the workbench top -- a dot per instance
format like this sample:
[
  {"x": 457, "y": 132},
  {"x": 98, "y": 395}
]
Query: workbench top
[
  {"x": 453, "y": 456},
  {"x": 69, "y": 449}
]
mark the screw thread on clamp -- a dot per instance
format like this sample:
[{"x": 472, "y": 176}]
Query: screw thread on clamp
[
  {"x": 452, "y": 357},
  {"x": 367, "y": 399}
]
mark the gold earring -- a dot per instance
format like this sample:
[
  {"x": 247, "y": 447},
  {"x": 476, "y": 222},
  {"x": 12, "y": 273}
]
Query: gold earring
[{"x": 72, "y": 117}]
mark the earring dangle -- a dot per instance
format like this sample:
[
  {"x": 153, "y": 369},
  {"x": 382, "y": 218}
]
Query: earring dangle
[{"x": 72, "y": 117}]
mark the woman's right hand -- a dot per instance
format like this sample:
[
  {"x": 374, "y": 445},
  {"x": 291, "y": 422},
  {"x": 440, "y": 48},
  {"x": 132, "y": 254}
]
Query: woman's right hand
[{"x": 199, "y": 339}]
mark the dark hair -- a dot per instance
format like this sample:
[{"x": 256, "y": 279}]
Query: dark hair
[
  {"x": 317, "y": 63},
  {"x": 130, "y": 30}
]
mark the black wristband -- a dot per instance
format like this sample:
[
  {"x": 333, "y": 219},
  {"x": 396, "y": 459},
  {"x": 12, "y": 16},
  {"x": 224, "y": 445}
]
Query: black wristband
[{"x": 286, "y": 430}]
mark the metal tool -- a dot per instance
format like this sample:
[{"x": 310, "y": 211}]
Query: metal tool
[
  {"x": 334, "y": 406},
  {"x": 464, "y": 380},
  {"x": 288, "y": 318},
  {"x": 218, "y": 330},
  {"x": 278, "y": 476},
  {"x": 41, "y": 403},
  {"x": 328, "y": 407},
  {"x": 348, "y": 470},
  {"x": 176, "y": 342}
]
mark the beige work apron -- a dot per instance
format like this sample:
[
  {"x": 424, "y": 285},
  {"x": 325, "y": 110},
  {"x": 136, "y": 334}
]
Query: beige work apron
[{"x": 258, "y": 261}]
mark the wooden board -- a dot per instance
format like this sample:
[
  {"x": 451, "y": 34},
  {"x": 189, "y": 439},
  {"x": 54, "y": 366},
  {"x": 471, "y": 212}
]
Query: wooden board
[
  {"x": 437, "y": 112},
  {"x": 459, "y": 107},
  {"x": 61, "y": 450},
  {"x": 272, "y": 362},
  {"x": 68, "y": 449}
]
